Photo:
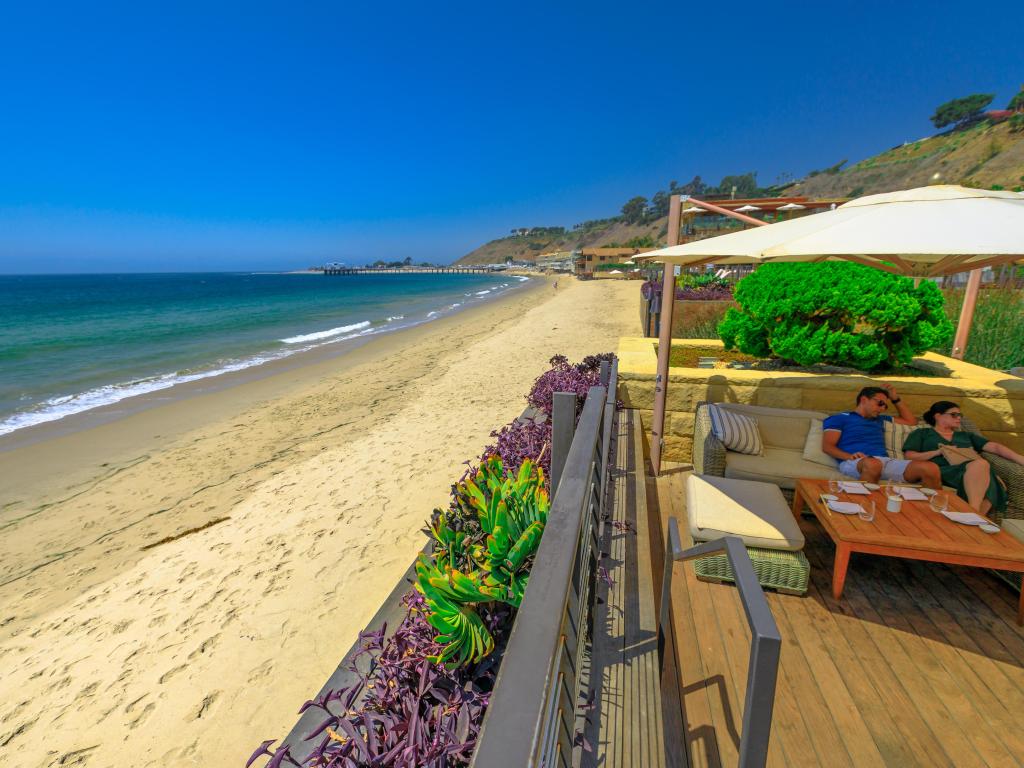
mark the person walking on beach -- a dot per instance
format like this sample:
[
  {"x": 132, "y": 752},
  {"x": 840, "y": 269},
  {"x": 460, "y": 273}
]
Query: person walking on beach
[
  {"x": 556, "y": 286},
  {"x": 856, "y": 439}
]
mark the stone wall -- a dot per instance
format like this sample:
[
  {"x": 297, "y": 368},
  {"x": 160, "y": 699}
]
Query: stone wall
[{"x": 993, "y": 400}]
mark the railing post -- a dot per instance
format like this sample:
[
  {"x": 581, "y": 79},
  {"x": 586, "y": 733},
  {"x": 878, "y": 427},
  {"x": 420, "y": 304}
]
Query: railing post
[
  {"x": 606, "y": 372},
  {"x": 563, "y": 424},
  {"x": 765, "y": 640}
]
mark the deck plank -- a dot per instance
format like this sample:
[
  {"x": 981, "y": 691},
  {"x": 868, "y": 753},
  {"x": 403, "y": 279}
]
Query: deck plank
[
  {"x": 917, "y": 664},
  {"x": 626, "y": 728}
]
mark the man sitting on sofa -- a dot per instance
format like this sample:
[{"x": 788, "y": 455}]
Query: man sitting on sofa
[{"x": 857, "y": 440}]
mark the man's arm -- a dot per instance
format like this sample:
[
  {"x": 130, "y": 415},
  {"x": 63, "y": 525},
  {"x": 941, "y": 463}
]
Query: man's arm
[
  {"x": 906, "y": 416},
  {"x": 829, "y": 444}
]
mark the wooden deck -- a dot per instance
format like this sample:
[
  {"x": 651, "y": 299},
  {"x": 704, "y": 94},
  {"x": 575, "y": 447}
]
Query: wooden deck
[{"x": 917, "y": 664}]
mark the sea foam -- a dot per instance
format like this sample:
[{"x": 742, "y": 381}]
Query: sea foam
[{"x": 305, "y": 338}]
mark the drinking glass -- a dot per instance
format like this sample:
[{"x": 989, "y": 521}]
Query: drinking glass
[
  {"x": 867, "y": 510},
  {"x": 834, "y": 487},
  {"x": 939, "y": 502}
]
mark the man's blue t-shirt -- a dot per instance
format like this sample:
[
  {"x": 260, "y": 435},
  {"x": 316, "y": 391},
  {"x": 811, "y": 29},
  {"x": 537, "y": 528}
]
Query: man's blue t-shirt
[{"x": 857, "y": 434}]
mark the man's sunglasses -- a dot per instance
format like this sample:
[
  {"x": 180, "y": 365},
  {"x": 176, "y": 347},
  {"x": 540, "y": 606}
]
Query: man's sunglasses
[{"x": 881, "y": 404}]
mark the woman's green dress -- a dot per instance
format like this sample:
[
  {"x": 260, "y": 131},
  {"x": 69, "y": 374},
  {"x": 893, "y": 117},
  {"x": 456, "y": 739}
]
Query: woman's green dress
[{"x": 927, "y": 439}]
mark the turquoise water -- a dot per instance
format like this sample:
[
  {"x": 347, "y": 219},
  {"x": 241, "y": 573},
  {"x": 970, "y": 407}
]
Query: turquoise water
[{"x": 71, "y": 343}]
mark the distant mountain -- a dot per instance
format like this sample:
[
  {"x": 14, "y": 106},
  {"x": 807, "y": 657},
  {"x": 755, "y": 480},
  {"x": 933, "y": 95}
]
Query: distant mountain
[{"x": 986, "y": 155}]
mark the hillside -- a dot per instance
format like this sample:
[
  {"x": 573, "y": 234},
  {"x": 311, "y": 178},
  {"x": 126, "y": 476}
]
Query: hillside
[
  {"x": 593, "y": 234},
  {"x": 983, "y": 156}
]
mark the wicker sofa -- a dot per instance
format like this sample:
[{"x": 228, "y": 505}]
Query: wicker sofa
[{"x": 784, "y": 432}]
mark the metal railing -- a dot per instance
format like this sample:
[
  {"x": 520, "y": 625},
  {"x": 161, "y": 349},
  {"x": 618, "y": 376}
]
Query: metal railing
[
  {"x": 538, "y": 700},
  {"x": 765, "y": 640}
]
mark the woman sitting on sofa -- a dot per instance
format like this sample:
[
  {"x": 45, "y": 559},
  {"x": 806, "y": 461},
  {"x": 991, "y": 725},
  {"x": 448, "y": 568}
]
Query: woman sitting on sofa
[{"x": 956, "y": 451}]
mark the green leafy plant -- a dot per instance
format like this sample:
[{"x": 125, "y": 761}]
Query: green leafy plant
[
  {"x": 836, "y": 313},
  {"x": 484, "y": 546}
]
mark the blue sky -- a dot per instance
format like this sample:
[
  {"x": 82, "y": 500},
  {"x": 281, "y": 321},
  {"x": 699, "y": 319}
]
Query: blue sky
[{"x": 181, "y": 136}]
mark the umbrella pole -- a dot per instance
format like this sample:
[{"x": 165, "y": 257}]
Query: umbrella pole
[
  {"x": 963, "y": 328},
  {"x": 668, "y": 300}
]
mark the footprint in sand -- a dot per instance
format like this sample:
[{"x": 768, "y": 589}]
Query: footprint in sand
[{"x": 205, "y": 705}]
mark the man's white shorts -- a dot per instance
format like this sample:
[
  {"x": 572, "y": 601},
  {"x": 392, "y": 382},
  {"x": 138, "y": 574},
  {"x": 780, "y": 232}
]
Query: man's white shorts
[{"x": 892, "y": 469}]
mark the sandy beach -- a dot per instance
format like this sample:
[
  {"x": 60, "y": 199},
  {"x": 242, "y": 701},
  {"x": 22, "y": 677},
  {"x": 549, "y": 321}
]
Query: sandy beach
[{"x": 175, "y": 583}]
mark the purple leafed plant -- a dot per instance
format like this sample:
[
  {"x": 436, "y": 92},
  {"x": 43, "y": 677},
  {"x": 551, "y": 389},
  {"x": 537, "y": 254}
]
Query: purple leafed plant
[
  {"x": 710, "y": 293},
  {"x": 405, "y": 712},
  {"x": 518, "y": 441},
  {"x": 564, "y": 377}
]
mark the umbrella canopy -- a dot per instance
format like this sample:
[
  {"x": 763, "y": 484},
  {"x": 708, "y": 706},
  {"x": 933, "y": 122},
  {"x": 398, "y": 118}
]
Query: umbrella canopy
[
  {"x": 747, "y": 208},
  {"x": 791, "y": 207},
  {"x": 694, "y": 210},
  {"x": 925, "y": 232}
]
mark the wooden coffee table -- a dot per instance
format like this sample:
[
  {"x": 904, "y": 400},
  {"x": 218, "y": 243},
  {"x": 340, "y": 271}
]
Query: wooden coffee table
[{"x": 916, "y": 532}]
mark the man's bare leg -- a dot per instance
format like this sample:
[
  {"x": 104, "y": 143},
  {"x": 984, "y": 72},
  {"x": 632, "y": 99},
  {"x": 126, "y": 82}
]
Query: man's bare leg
[{"x": 870, "y": 469}]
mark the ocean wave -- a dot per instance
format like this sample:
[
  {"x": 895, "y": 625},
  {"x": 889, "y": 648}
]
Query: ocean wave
[
  {"x": 431, "y": 314},
  {"x": 396, "y": 317},
  {"x": 327, "y": 334},
  {"x": 484, "y": 293},
  {"x": 67, "y": 405}
]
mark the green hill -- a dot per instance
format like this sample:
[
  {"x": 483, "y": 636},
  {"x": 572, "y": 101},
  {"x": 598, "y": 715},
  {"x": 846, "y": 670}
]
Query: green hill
[{"x": 985, "y": 155}]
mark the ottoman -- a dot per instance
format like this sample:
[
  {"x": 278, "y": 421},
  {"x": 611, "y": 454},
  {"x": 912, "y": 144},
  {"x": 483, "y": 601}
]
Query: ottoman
[{"x": 758, "y": 514}]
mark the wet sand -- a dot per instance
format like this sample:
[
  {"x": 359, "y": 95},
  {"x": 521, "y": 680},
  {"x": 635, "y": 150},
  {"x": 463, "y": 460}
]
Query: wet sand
[{"x": 176, "y": 582}]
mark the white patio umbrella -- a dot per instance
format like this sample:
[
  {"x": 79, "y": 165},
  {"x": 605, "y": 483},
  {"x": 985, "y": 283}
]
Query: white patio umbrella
[
  {"x": 924, "y": 232},
  {"x": 694, "y": 210},
  {"x": 791, "y": 207},
  {"x": 747, "y": 208}
]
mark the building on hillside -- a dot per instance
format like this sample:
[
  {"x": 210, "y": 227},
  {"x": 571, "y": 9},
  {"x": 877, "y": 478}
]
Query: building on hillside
[
  {"x": 557, "y": 261},
  {"x": 698, "y": 223},
  {"x": 591, "y": 260}
]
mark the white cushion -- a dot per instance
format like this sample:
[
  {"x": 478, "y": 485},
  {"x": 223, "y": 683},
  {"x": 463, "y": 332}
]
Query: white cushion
[
  {"x": 812, "y": 447},
  {"x": 737, "y": 432},
  {"x": 895, "y": 436},
  {"x": 755, "y": 512},
  {"x": 776, "y": 465}
]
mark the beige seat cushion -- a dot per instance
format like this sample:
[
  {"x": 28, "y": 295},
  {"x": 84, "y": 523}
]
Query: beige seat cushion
[
  {"x": 756, "y": 512},
  {"x": 778, "y": 465}
]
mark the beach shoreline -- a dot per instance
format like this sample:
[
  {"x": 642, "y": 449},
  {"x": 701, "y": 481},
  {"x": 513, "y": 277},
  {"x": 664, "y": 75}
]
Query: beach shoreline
[{"x": 175, "y": 582}]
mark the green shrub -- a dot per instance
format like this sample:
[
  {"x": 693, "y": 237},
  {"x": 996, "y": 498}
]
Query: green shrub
[{"x": 837, "y": 313}]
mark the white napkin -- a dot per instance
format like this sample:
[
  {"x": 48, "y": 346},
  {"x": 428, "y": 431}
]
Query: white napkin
[
  {"x": 844, "y": 507},
  {"x": 910, "y": 494},
  {"x": 967, "y": 518},
  {"x": 857, "y": 488}
]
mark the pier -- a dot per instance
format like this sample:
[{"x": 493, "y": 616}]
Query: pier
[{"x": 406, "y": 270}]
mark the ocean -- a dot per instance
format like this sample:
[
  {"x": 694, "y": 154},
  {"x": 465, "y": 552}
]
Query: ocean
[{"x": 71, "y": 343}]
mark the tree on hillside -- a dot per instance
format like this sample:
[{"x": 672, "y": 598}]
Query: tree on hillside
[
  {"x": 1017, "y": 102},
  {"x": 745, "y": 184},
  {"x": 635, "y": 211},
  {"x": 659, "y": 204},
  {"x": 961, "y": 112},
  {"x": 694, "y": 187}
]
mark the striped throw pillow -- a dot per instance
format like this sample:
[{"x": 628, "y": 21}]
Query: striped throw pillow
[
  {"x": 737, "y": 432},
  {"x": 895, "y": 436}
]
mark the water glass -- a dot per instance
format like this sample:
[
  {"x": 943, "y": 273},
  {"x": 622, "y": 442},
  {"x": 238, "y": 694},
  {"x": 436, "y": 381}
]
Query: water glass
[
  {"x": 867, "y": 510},
  {"x": 939, "y": 502},
  {"x": 893, "y": 503},
  {"x": 834, "y": 487}
]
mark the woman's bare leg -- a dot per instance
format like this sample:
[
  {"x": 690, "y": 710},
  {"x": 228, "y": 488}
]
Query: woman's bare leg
[{"x": 976, "y": 480}]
